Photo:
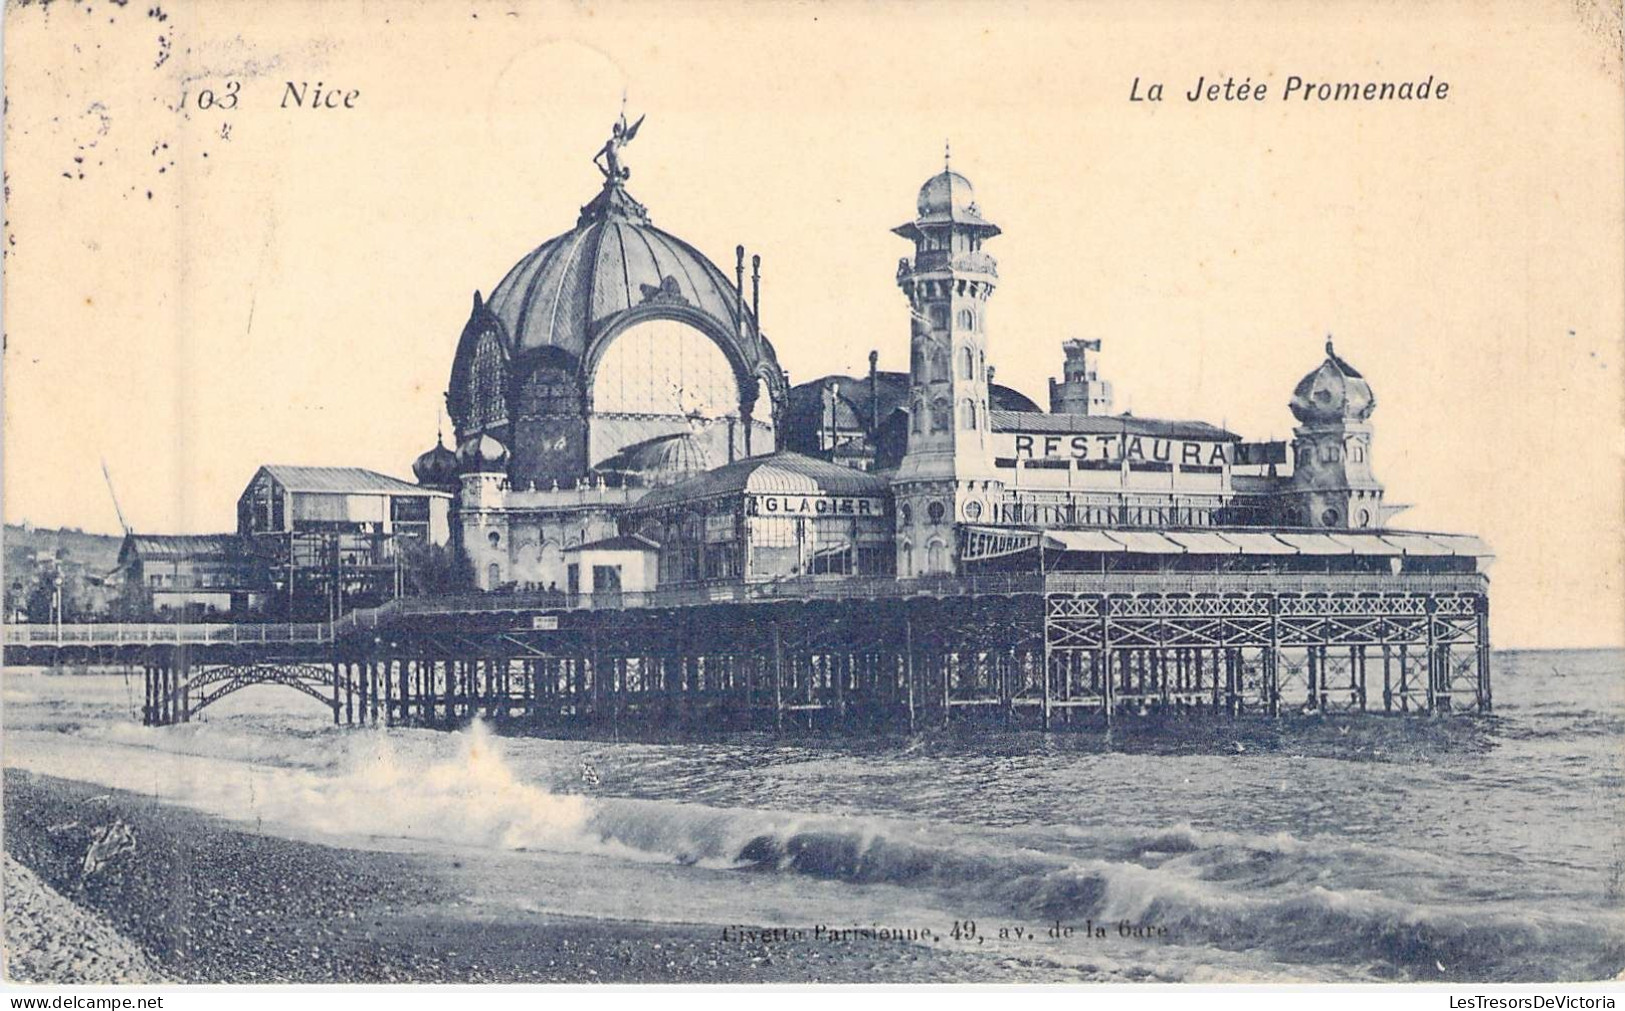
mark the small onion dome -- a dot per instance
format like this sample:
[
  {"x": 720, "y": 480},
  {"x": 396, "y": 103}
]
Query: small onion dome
[
  {"x": 947, "y": 199},
  {"x": 1335, "y": 391},
  {"x": 945, "y": 193},
  {"x": 482, "y": 454},
  {"x": 436, "y": 467},
  {"x": 659, "y": 461}
]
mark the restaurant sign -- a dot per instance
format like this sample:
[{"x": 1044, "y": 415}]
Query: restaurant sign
[{"x": 1113, "y": 447}]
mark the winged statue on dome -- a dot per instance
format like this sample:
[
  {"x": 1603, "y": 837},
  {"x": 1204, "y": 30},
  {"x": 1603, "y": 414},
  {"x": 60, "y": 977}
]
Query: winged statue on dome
[{"x": 608, "y": 158}]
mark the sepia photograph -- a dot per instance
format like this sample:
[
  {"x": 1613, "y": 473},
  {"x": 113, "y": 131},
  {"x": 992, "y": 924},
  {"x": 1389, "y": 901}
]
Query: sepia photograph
[{"x": 814, "y": 493}]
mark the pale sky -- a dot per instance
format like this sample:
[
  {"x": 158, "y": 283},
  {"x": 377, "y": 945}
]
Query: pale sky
[{"x": 293, "y": 292}]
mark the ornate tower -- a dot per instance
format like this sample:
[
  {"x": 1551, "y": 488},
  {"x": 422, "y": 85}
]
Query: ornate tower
[
  {"x": 1332, "y": 482},
  {"x": 1081, "y": 390},
  {"x": 946, "y": 474}
]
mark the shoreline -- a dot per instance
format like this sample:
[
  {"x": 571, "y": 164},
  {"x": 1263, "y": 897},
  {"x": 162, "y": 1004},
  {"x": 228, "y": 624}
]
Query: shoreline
[{"x": 209, "y": 902}]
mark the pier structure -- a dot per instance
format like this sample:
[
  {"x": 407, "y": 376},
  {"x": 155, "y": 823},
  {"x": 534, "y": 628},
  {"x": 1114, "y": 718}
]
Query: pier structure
[{"x": 1038, "y": 651}]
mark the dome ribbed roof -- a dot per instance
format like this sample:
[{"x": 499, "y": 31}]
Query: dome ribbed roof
[
  {"x": 1334, "y": 391},
  {"x": 779, "y": 473},
  {"x": 561, "y": 293},
  {"x": 662, "y": 460}
]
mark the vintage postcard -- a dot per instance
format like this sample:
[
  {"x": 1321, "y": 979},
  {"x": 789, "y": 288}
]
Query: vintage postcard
[{"x": 508, "y": 492}]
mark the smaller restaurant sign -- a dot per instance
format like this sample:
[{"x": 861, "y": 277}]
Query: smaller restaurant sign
[{"x": 814, "y": 505}]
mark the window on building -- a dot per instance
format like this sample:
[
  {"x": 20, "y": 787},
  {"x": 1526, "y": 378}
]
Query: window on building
[
  {"x": 935, "y": 511},
  {"x": 936, "y": 556},
  {"x": 877, "y": 560},
  {"x": 940, "y": 416},
  {"x": 967, "y": 415},
  {"x": 907, "y": 514},
  {"x": 967, "y": 320},
  {"x": 832, "y": 560},
  {"x": 494, "y": 537},
  {"x": 939, "y": 317},
  {"x": 967, "y": 364},
  {"x": 1330, "y": 517},
  {"x": 721, "y": 561},
  {"x": 606, "y": 579},
  {"x": 1356, "y": 452},
  {"x": 493, "y": 576}
]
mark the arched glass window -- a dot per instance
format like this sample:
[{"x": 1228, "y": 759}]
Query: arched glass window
[
  {"x": 488, "y": 377},
  {"x": 967, "y": 320},
  {"x": 493, "y": 576},
  {"x": 1357, "y": 453},
  {"x": 939, "y": 316},
  {"x": 916, "y": 421},
  {"x": 908, "y": 559},
  {"x": 936, "y": 557},
  {"x": 967, "y": 415},
  {"x": 663, "y": 366},
  {"x": 941, "y": 419},
  {"x": 967, "y": 364}
]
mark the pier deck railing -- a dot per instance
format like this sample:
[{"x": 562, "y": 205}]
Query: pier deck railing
[
  {"x": 357, "y": 622},
  {"x": 886, "y": 587},
  {"x": 109, "y": 633}
]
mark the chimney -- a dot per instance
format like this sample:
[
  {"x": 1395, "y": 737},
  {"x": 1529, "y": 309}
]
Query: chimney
[
  {"x": 756, "y": 291},
  {"x": 874, "y": 393}
]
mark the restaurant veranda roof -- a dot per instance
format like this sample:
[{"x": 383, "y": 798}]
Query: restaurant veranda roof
[{"x": 1387, "y": 544}]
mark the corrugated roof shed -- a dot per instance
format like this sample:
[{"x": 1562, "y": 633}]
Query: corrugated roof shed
[
  {"x": 181, "y": 547},
  {"x": 343, "y": 480}
]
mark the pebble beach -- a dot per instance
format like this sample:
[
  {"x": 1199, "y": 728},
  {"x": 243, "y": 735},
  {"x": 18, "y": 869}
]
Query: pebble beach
[{"x": 199, "y": 901}]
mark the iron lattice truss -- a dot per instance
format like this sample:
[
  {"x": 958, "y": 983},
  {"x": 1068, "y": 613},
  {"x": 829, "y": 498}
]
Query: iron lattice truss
[{"x": 1268, "y": 650}]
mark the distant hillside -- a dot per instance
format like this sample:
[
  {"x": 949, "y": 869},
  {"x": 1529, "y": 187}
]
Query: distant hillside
[{"x": 98, "y": 553}]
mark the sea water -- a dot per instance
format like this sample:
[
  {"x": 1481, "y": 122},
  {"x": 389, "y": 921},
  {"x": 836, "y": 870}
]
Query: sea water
[{"x": 1309, "y": 848}]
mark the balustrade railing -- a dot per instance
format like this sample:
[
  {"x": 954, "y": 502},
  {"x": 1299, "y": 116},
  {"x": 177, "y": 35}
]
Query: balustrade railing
[{"x": 849, "y": 588}]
